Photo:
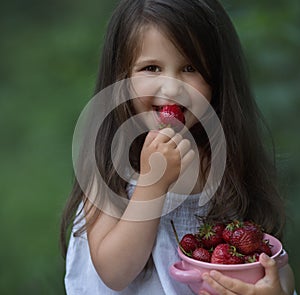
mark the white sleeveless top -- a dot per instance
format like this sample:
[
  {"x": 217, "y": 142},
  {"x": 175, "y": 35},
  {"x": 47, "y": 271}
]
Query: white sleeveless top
[{"x": 82, "y": 279}]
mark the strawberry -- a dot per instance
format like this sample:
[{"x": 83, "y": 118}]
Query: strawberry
[
  {"x": 201, "y": 254},
  {"x": 189, "y": 243},
  {"x": 170, "y": 115},
  {"x": 251, "y": 258},
  {"x": 229, "y": 229},
  {"x": 210, "y": 234},
  {"x": 247, "y": 239},
  {"x": 226, "y": 254},
  {"x": 265, "y": 247}
]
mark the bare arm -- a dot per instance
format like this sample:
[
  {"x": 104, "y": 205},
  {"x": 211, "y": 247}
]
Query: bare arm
[{"x": 120, "y": 248}]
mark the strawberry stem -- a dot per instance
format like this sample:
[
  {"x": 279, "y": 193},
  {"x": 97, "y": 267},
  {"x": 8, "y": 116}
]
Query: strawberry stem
[
  {"x": 177, "y": 239},
  {"x": 175, "y": 232}
]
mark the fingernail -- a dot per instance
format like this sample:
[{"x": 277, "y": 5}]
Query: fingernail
[{"x": 265, "y": 257}]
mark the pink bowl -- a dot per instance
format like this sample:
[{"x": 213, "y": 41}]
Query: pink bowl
[{"x": 189, "y": 271}]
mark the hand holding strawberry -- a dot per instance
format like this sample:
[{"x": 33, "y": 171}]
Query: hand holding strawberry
[{"x": 165, "y": 154}]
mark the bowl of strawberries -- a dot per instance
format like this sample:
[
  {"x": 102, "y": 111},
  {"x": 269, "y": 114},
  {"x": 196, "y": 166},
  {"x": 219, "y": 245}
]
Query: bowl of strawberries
[{"x": 232, "y": 248}]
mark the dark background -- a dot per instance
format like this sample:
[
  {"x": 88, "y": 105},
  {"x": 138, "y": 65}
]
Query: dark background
[{"x": 49, "y": 59}]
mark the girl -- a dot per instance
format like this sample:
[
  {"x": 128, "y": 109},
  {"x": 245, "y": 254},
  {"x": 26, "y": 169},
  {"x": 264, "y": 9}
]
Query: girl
[{"x": 194, "y": 42}]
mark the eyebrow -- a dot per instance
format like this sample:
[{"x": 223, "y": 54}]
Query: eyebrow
[{"x": 146, "y": 61}]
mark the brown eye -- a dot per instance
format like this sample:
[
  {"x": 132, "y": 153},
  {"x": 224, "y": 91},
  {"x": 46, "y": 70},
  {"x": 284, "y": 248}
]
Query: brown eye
[
  {"x": 189, "y": 68},
  {"x": 151, "y": 68}
]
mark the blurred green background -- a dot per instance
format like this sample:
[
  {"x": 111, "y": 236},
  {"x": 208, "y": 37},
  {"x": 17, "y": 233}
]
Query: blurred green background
[{"x": 49, "y": 60}]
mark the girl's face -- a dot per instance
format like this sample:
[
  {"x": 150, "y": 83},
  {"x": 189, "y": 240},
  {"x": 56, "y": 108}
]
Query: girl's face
[{"x": 165, "y": 77}]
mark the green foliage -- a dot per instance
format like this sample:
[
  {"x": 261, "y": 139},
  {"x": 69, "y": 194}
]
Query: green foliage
[{"x": 50, "y": 52}]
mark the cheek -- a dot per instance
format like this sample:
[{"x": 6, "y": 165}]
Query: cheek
[
  {"x": 204, "y": 90},
  {"x": 145, "y": 116},
  {"x": 143, "y": 86},
  {"x": 201, "y": 86},
  {"x": 201, "y": 98},
  {"x": 142, "y": 104}
]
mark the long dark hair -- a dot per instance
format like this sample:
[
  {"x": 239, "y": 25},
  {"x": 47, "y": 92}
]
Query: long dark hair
[{"x": 203, "y": 32}]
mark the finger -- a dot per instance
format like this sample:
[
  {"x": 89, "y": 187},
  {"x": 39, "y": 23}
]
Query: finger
[
  {"x": 271, "y": 270},
  {"x": 215, "y": 285},
  {"x": 184, "y": 146},
  {"x": 175, "y": 140},
  {"x": 227, "y": 285},
  {"x": 187, "y": 159},
  {"x": 150, "y": 137},
  {"x": 164, "y": 135}
]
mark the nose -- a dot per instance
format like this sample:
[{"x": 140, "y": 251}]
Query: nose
[{"x": 171, "y": 87}]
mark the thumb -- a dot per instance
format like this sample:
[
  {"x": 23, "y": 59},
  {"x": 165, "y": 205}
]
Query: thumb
[{"x": 271, "y": 270}]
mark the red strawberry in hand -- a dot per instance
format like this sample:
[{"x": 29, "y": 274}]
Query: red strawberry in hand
[
  {"x": 248, "y": 238},
  {"x": 170, "y": 115},
  {"x": 211, "y": 234},
  {"x": 201, "y": 254},
  {"x": 226, "y": 254}
]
